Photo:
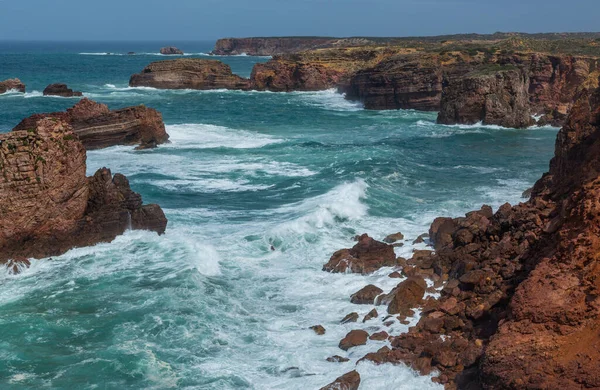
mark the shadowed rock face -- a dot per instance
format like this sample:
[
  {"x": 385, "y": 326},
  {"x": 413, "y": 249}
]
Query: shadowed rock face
[
  {"x": 349, "y": 381},
  {"x": 11, "y": 84},
  {"x": 48, "y": 206},
  {"x": 98, "y": 127},
  {"x": 188, "y": 73},
  {"x": 60, "y": 90},
  {"x": 496, "y": 97}
]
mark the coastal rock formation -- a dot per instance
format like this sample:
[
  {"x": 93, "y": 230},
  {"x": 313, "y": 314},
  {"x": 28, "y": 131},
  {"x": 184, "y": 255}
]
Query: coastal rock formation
[
  {"x": 491, "y": 95},
  {"x": 98, "y": 127},
  {"x": 278, "y": 45},
  {"x": 188, "y": 73},
  {"x": 170, "y": 50},
  {"x": 520, "y": 308},
  {"x": 60, "y": 90},
  {"x": 366, "y": 256},
  {"x": 48, "y": 206},
  {"x": 12, "y": 85}
]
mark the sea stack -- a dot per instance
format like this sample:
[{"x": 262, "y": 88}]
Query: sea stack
[
  {"x": 189, "y": 73},
  {"x": 60, "y": 90},
  {"x": 98, "y": 127},
  {"x": 48, "y": 206},
  {"x": 12, "y": 85},
  {"x": 170, "y": 51}
]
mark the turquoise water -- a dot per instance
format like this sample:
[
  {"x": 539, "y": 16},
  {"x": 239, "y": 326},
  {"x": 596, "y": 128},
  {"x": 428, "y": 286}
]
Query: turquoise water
[{"x": 209, "y": 305}]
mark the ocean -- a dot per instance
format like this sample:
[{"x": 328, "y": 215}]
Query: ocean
[{"x": 210, "y": 305}]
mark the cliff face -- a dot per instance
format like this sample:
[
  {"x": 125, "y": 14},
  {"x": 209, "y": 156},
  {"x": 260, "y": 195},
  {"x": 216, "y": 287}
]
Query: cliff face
[
  {"x": 520, "y": 307},
  {"x": 494, "y": 97},
  {"x": 98, "y": 127},
  {"x": 268, "y": 46},
  {"x": 188, "y": 73},
  {"x": 48, "y": 206},
  {"x": 11, "y": 84}
]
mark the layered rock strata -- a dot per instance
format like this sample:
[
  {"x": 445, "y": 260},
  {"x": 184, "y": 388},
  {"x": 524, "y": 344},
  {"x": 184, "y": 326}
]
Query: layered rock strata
[
  {"x": 189, "y": 73},
  {"x": 283, "y": 45},
  {"x": 48, "y": 205},
  {"x": 98, "y": 127},
  {"x": 60, "y": 90},
  {"x": 12, "y": 85}
]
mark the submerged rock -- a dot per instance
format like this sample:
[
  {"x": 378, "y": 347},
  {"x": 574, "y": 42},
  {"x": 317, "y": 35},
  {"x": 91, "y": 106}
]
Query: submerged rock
[
  {"x": 60, "y": 90},
  {"x": 48, "y": 206},
  {"x": 318, "y": 329},
  {"x": 12, "y": 85},
  {"x": 98, "y": 127},
  {"x": 189, "y": 73}
]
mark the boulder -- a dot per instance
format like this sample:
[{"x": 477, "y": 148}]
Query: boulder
[
  {"x": 366, "y": 295},
  {"x": 349, "y": 381},
  {"x": 12, "y": 85},
  {"x": 372, "y": 314},
  {"x": 392, "y": 238},
  {"x": 352, "y": 317},
  {"x": 406, "y": 296},
  {"x": 318, "y": 329},
  {"x": 60, "y": 90},
  {"x": 367, "y": 256},
  {"x": 337, "y": 359},
  {"x": 354, "y": 339}
]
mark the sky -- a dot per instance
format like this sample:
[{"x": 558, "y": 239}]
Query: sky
[{"x": 212, "y": 19}]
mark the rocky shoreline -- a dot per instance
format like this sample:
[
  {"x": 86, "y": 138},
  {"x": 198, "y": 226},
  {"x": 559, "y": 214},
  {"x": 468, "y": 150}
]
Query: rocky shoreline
[
  {"x": 518, "y": 300},
  {"x": 49, "y": 206}
]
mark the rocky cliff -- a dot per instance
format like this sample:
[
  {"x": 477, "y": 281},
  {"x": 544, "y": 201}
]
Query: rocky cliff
[
  {"x": 188, "y": 73},
  {"x": 60, "y": 90},
  {"x": 48, "y": 206},
  {"x": 275, "y": 45},
  {"x": 494, "y": 95},
  {"x": 11, "y": 84},
  {"x": 98, "y": 127},
  {"x": 519, "y": 304}
]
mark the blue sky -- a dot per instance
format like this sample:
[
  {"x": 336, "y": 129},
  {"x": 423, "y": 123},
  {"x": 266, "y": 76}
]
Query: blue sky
[{"x": 211, "y": 19}]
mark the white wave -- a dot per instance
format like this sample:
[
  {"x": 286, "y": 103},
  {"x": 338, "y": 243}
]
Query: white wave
[
  {"x": 207, "y": 185},
  {"x": 329, "y": 99},
  {"x": 102, "y": 54},
  {"x": 27, "y": 95},
  {"x": 202, "y": 136}
]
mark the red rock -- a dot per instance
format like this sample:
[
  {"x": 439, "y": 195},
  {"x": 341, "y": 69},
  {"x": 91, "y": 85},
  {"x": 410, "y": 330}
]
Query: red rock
[
  {"x": 372, "y": 314},
  {"x": 353, "y": 339},
  {"x": 10, "y": 85},
  {"x": 318, "y": 329},
  {"x": 366, "y": 295},
  {"x": 365, "y": 257},
  {"x": 47, "y": 204},
  {"x": 349, "y": 381},
  {"x": 352, "y": 317},
  {"x": 392, "y": 238},
  {"x": 395, "y": 275},
  {"x": 379, "y": 336},
  {"x": 98, "y": 127},
  {"x": 60, "y": 90},
  {"x": 277, "y": 45},
  {"x": 406, "y": 296}
]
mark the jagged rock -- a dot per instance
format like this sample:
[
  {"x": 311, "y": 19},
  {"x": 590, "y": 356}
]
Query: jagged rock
[
  {"x": 365, "y": 257},
  {"x": 353, "y": 339},
  {"x": 60, "y": 90},
  {"x": 318, "y": 329},
  {"x": 170, "y": 50},
  {"x": 48, "y": 206},
  {"x": 392, "y": 238},
  {"x": 406, "y": 296},
  {"x": 372, "y": 314},
  {"x": 337, "y": 359},
  {"x": 189, "y": 73},
  {"x": 366, "y": 295},
  {"x": 352, "y": 317},
  {"x": 349, "y": 381},
  {"x": 490, "y": 95},
  {"x": 98, "y": 127},
  {"x": 379, "y": 336},
  {"x": 10, "y": 85}
]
